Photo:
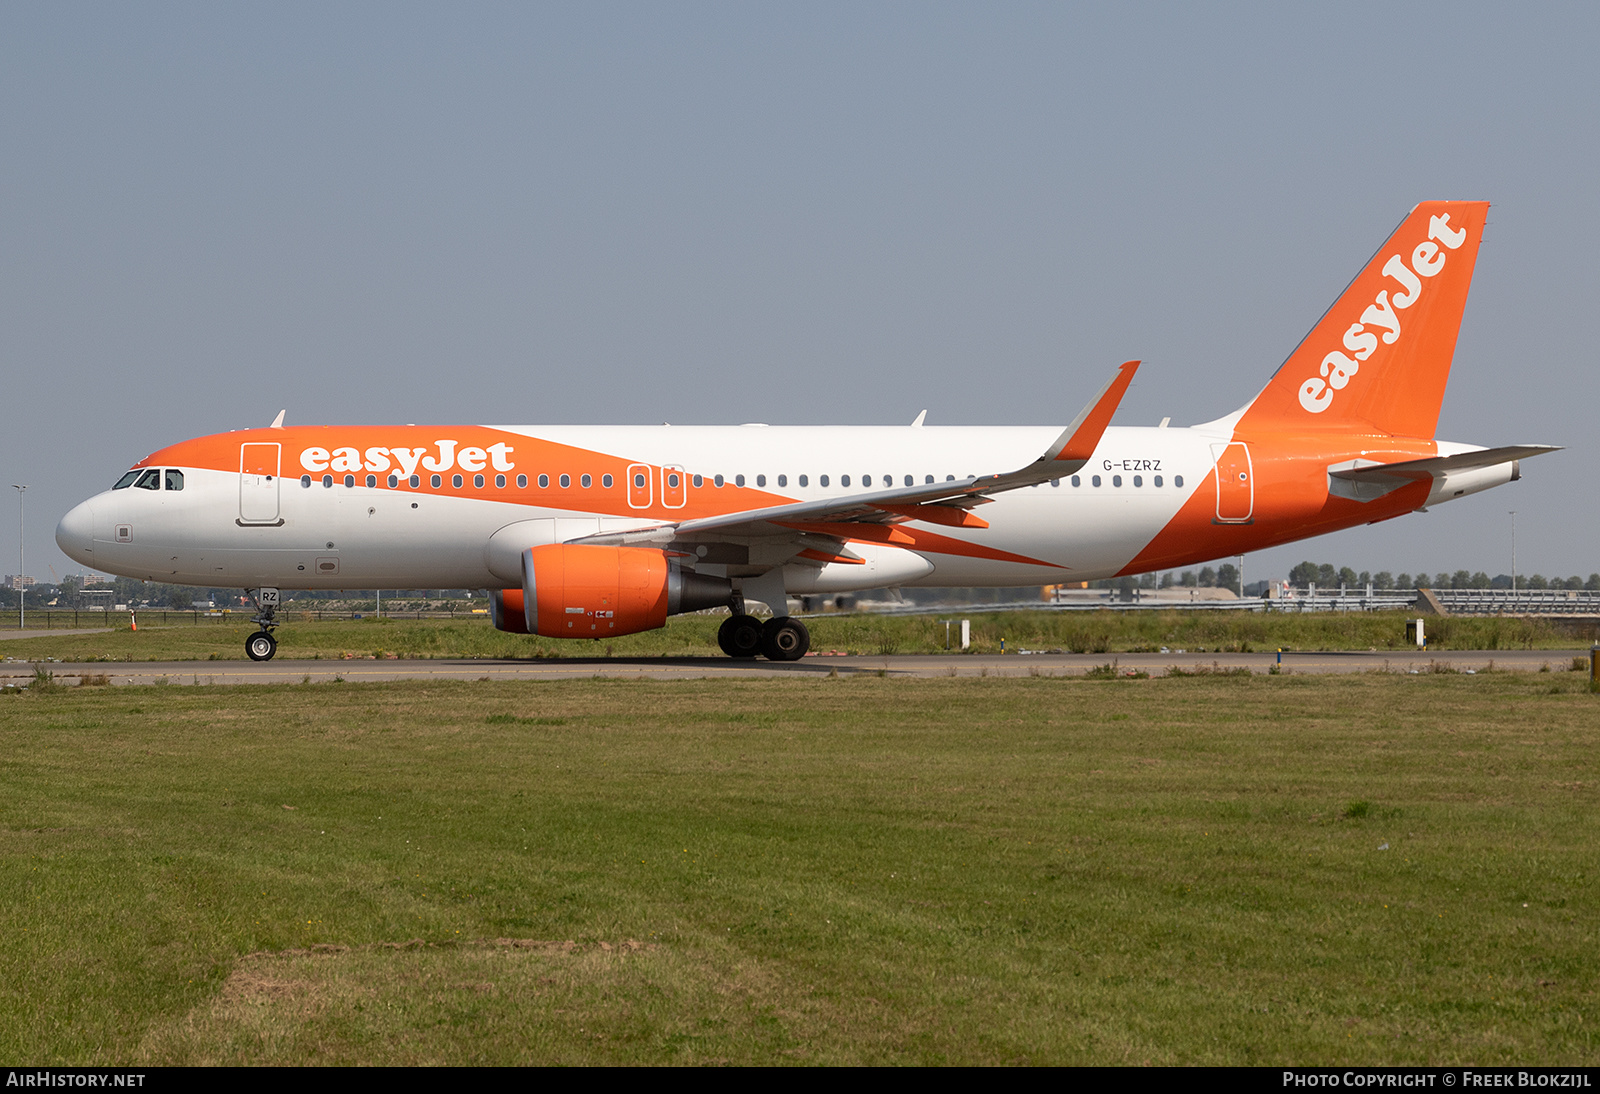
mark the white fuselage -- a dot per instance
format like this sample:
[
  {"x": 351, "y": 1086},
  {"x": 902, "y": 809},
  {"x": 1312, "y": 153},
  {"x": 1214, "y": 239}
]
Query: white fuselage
[{"x": 339, "y": 536}]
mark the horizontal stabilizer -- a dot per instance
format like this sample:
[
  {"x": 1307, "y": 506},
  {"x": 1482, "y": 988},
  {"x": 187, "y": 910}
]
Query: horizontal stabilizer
[
  {"x": 1417, "y": 470},
  {"x": 1451, "y": 476}
]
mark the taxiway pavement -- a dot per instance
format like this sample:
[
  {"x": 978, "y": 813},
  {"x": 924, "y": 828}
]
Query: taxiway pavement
[{"x": 280, "y": 671}]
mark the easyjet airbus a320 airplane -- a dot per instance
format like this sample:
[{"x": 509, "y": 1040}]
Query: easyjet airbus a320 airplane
[{"x": 590, "y": 532}]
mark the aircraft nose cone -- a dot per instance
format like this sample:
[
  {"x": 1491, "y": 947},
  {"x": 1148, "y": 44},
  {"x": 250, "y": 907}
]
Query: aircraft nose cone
[{"x": 75, "y": 534}]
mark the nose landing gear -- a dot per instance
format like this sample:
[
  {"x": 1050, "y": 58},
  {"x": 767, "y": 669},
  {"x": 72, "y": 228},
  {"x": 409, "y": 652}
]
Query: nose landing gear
[{"x": 261, "y": 645}]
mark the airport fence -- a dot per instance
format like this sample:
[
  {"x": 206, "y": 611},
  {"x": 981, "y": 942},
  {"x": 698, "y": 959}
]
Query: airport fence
[
  {"x": 79, "y": 618},
  {"x": 1309, "y": 599}
]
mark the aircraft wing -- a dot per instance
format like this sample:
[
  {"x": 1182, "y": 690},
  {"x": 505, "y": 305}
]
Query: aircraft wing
[{"x": 948, "y": 503}]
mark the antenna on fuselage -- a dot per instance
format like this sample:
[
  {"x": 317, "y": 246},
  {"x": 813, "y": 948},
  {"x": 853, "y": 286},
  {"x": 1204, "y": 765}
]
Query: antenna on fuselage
[
  {"x": 920, "y": 419},
  {"x": 277, "y": 423}
]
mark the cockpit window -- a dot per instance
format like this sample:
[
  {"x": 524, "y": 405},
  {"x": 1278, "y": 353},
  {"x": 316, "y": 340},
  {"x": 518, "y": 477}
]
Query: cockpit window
[
  {"x": 150, "y": 480},
  {"x": 174, "y": 479},
  {"x": 126, "y": 480}
]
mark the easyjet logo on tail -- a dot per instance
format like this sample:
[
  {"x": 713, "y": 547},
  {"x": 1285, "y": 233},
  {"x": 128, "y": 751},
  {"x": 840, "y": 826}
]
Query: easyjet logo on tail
[
  {"x": 1382, "y": 315},
  {"x": 379, "y": 459}
]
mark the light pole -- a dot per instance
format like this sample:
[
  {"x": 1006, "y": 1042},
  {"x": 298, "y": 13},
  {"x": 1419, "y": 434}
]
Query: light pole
[
  {"x": 1513, "y": 513},
  {"x": 22, "y": 555}
]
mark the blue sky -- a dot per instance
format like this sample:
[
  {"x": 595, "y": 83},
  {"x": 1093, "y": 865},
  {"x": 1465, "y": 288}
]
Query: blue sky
[{"x": 813, "y": 213}]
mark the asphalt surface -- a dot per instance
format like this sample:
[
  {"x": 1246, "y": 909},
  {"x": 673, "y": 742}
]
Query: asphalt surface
[{"x": 281, "y": 671}]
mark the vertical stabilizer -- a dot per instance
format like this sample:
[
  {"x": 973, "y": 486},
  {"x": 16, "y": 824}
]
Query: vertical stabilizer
[{"x": 1378, "y": 360}]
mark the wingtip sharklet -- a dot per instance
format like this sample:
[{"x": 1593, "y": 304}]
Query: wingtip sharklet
[{"x": 1078, "y": 441}]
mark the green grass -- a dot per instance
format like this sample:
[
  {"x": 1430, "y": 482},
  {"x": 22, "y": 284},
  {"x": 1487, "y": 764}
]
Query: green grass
[
  {"x": 695, "y": 635},
  {"x": 1206, "y": 869}
]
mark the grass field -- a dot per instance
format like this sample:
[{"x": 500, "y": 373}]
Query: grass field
[
  {"x": 1211, "y": 869},
  {"x": 695, "y": 635}
]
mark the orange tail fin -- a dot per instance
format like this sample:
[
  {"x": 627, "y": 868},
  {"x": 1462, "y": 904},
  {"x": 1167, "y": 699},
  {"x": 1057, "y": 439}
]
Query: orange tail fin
[{"x": 1378, "y": 360}]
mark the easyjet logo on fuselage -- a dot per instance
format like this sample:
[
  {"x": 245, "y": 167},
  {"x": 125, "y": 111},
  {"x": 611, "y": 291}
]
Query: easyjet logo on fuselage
[
  {"x": 449, "y": 454},
  {"x": 1337, "y": 369}
]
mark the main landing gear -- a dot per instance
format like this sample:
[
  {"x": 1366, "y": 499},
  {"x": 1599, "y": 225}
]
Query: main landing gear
[
  {"x": 261, "y": 645},
  {"x": 782, "y": 638}
]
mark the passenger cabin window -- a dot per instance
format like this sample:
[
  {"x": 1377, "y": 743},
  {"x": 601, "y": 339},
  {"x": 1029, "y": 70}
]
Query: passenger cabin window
[
  {"x": 456, "y": 481},
  {"x": 350, "y": 481},
  {"x": 606, "y": 481},
  {"x": 823, "y": 480},
  {"x": 738, "y": 480},
  {"x": 327, "y": 482},
  {"x": 699, "y": 481},
  {"x": 372, "y": 481},
  {"x": 1157, "y": 480},
  {"x": 805, "y": 480},
  {"x": 436, "y": 482},
  {"x": 477, "y": 480},
  {"x": 1177, "y": 480},
  {"x": 761, "y": 480},
  {"x": 566, "y": 481},
  {"x": 174, "y": 479},
  {"x": 586, "y": 481},
  {"x": 544, "y": 482},
  {"x": 305, "y": 481},
  {"x": 783, "y": 480},
  {"x": 844, "y": 480}
]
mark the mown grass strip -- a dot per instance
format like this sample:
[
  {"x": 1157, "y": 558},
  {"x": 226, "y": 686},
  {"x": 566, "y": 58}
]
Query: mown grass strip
[
  {"x": 1185, "y": 870},
  {"x": 695, "y": 636}
]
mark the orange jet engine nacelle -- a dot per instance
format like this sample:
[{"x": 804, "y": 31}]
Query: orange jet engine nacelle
[{"x": 581, "y": 591}]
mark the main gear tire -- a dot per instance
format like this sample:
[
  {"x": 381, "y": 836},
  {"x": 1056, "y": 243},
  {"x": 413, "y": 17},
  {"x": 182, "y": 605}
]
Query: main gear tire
[
  {"x": 740, "y": 636},
  {"x": 784, "y": 639}
]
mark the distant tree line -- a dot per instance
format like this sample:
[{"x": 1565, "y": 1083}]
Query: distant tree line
[
  {"x": 1225, "y": 576},
  {"x": 1325, "y": 576}
]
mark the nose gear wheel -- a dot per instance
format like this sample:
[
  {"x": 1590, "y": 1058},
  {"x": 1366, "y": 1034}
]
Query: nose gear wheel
[{"x": 261, "y": 646}]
